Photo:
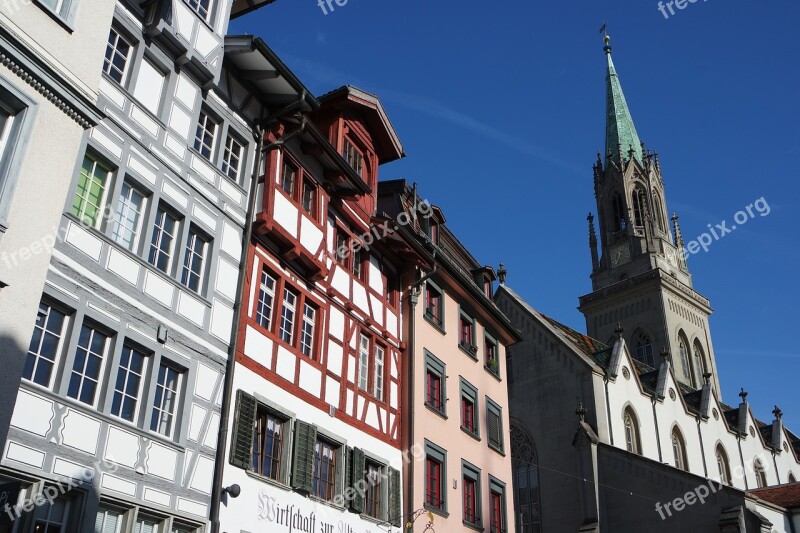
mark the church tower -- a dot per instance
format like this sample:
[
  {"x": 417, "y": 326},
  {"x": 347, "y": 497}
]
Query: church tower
[{"x": 640, "y": 277}]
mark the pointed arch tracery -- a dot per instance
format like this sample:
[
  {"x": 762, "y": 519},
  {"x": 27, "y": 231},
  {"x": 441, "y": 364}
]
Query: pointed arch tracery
[
  {"x": 639, "y": 202},
  {"x": 525, "y": 466},
  {"x": 699, "y": 361},
  {"x": 633, "y": 441},
  {"x": 618, "y": 220}
]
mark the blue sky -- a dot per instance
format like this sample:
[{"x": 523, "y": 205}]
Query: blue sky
[{"x": 500, "y": 107}]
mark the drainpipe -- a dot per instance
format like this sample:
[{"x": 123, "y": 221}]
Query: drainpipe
[
  {"x": 227, "y": 391},
  {"x": 741, "y": 459},
  {"x": 702, "y": 448},
  {"x": 413, "y": 298},
  {"x": 658, "y": 434},
  {"x": 608, "y": 407}
]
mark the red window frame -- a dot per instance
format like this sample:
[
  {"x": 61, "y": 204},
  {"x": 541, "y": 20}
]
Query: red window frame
[
  {"x": 465, "y": 334},
  {"x": 371, "y": 385},
  {"x": 490, "y": 349},
  {"x": 467, "y": 414},
  {"x": 433, "y": 390},
  {"x": 433, "y": 303},
  {"x": 433, "y": 482},
  {"x": 302, "y": 298},
  {"x": 496, "y": 512},
  {"x": 302, "y": 181},
  {"x": 470, "y": 503}
]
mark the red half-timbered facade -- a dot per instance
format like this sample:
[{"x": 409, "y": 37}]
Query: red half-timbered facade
[{"x": 320, "y": 337}]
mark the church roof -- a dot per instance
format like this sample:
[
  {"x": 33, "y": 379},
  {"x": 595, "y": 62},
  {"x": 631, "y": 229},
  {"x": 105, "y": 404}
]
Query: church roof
[
  {"x": 619, "y": 123},
  {"x": 787, "y": 495},
  {"x": 584, "y": 343}
]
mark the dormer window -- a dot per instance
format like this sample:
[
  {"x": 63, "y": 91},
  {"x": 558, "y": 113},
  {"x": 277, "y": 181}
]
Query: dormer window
[{"x": 353, "y": 157}]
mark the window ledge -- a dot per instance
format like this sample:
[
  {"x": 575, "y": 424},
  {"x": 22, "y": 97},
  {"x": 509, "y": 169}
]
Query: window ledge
[
  {"x": 499, "y": 451},
  {"x": 56, "y": 17},
  {"x": 494, "y": 374},
  {"x": 436, "y": 411},
  {"x": 432, "y": 321},
  {"x": 472, "y": 355},
  {"x": 436, "y": 510},
  {"x": 470, "y": 525},
  {"x": 267, "y": 480},
  {"x": 326, "y": 502},
  {"x": 475, "y": 436}
]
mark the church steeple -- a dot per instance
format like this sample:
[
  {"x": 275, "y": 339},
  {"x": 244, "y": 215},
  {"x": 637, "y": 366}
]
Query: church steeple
[
  {"x": 639, "y": 273},
  {"x": 620, "y": 130}
]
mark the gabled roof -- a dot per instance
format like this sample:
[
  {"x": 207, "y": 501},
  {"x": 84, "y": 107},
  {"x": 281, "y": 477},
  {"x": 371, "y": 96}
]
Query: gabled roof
[{"x": 387, "y": 144}]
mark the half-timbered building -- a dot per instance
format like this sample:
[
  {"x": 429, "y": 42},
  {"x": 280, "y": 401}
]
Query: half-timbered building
[
  {"x": 118, "y": 411},
  {"x": 315, "y": 436}
]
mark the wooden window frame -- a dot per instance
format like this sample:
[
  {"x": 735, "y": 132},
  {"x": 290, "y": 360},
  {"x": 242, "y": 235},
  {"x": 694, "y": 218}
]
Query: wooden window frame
[
  {"x": 303, "y": 179},
  {"x": 433, "y": 293},
  {"x": 435, "y": 366},
  {"x": 472, "y": 510},
  {"x": 302, "y": 298},
  {"x": 469, "y": 398},
  {"x": 435, "y": 462}
]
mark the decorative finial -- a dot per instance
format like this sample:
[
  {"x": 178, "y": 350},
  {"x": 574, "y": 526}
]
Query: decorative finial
[
  {"x": 581, "y": 412},
  {"x": 743, "y": 395},
  {"x": 502, "y": 273},
  {"x": 777, "y": 412},
  {"x": 607, "y": 40},
  {"x": 664, "y": 353},
  {"x": 707, "y": 377},
  {"x": 619, "y": 330}
]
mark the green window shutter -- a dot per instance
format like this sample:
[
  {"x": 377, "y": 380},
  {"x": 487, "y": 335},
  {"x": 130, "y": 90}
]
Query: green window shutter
[
  {"x": 495, "y": 430},
  {"x": 305, "y": 438},
  {"x": 348, "y": 474},
  {"x": 395, "y": 512},
  {"x": 243, "y": 428},
  {"x": 357, "y": 478}
]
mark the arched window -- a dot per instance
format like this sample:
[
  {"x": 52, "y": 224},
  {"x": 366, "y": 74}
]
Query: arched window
[
  {"x": 723, "y": 466},
  {"x": 525, "y": 467},
  {"x": 792, "y": 479},
  {"x": 644, "y": 349},
  {"x": 658, "y": 213},
  {"x": 699, "y": 363},
  {"x": 679, "y": 450},
  {"x": 632, "y": 441},
  {"x": 639, "y": 206},
  {"x": 618, "y": 222},
  {"x": 761, "y": 473},
  {"x": 683, "y": 350}
]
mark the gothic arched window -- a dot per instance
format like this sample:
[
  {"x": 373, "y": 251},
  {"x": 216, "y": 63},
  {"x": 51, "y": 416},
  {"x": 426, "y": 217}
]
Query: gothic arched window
[
  {"x": 699, "y": 363},
  {"x": 639, "y": 206},
  {"x": 679, "y": 450},
  {"x": 525, "y": 466},
  {"x": 761, "y": 473},
  {"x": 658, "y": 214},
  {"x": 723, "y": 466},
  {"x": 618, "y": 222},
  {"x": 644, "y": 349},
  {"x": 632, "y": 442},
  {"x": 683, "y": 350}
]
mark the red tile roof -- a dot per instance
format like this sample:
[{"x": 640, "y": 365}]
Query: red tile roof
[{"x": 787, "y": 496}]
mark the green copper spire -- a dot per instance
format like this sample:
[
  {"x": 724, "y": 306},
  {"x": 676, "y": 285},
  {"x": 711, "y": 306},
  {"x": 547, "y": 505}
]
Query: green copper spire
[{"x": 619, "y": 124}]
